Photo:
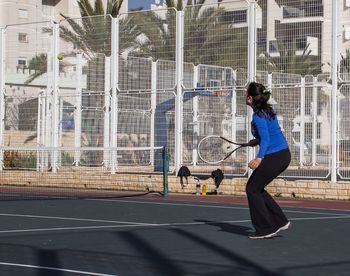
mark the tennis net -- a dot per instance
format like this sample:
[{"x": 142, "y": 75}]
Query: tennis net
[{"x": 82, "y": 172}]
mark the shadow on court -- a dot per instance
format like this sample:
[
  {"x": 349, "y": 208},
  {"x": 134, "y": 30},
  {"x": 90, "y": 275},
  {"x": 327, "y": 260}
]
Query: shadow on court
[
  {"x": 228, "y": 227},
  {"x": 164, "y": 264},
  {"x": 151, "y": 237}
]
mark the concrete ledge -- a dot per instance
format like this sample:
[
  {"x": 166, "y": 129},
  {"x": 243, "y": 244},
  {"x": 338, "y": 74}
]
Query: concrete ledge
[{"x": 86, "y": 178}]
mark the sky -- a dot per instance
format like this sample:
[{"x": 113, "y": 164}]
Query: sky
[{"x": 141, "y": 3}]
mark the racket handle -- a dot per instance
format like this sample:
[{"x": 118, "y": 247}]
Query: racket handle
[
  {"x": 252, "y": 143},
  {"x": 228, "y": 155}
]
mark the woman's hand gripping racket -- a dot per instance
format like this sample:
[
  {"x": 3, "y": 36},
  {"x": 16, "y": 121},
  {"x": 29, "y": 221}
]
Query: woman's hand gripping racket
[{"x": 214, "y": 149}]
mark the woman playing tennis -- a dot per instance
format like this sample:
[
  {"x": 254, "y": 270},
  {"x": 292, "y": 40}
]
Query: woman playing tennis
[{"x": 272, "y": 159}]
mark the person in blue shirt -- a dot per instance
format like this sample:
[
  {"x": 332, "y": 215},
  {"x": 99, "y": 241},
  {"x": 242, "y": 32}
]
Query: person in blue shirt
[{"x": 271, "y": 160}]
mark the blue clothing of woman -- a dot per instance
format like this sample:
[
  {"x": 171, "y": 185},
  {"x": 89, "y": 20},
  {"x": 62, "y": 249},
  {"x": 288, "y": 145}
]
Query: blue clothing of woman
[{"x": 269, "y": 133}]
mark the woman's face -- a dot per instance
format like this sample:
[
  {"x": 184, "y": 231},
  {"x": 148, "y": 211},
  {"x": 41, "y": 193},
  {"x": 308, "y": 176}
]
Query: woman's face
[{"x": 248, "y": 100}]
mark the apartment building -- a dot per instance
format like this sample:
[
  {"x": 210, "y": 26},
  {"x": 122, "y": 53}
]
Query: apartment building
[
  {"x": 26, "y": 38},
  {"x": 308, "y": 22}
]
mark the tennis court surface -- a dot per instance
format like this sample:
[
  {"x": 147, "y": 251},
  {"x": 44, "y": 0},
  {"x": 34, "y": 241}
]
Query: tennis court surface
[{"x": 175, "y": 235}]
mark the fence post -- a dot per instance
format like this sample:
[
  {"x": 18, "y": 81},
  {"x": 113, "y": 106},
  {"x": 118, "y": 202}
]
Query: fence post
[
  {"x": 60, "y": 128},
  {"x": 114, "y": 88},
  {"x": 269, "y": 81},
  {"x": 195, "y": 118},
  {"x": 55, "y": 103},
  {"x": 302, "y": 121},
  {"x": 38, "y": 133},
  {"x": 234, "y": 110},
  {"x": 2, "y": 95},
  {"x": 153, "y": 108},
  {"x": 179, "y": 86},
  {"x": 334, "y": 63},
  {"x": 77, "y": 112},
  {"x": 251, "y": 66},
  {"x": 106, "y": 111},
  {"x": 314, "y": 120},
  {"x": 41, "y": 131},
  {"x": 47, "y": 129}
]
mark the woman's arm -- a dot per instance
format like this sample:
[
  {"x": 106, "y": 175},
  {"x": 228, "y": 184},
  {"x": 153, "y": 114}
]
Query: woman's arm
[{"x": 264, "y": 137}]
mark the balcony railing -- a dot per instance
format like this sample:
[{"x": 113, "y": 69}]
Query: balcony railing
[{"x": 302, "y": 12}]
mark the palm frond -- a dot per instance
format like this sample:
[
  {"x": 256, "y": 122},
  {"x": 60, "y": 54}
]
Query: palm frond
[
  {"x": 179, "y": 5},
  {"x": 85, "y": 8},
  {"x": 170, "y": 3},
  {"x": 99, "y": 9},
  {"x": 113, "y": 7},
  {"x": 30, "y": 138}
]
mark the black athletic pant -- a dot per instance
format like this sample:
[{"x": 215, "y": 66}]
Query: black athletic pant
[{"x": 265, "y": 213}]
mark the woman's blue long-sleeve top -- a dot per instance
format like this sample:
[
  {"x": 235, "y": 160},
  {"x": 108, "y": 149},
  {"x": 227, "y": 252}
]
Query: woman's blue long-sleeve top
[{"x": 269, "y": 133}]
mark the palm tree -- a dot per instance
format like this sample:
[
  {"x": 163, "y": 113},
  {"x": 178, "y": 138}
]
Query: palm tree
[
  {"x": 209, "y": 37},
  {"x": 91, "y": 35},
  {"x": 38, "y": 64},
  {"x": 288, "y": 61}
]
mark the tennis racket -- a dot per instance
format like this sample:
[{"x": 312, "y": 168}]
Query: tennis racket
[{"x": 214, "y": 149}]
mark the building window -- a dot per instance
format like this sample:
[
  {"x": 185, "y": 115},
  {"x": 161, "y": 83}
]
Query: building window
[
  {"x": 23, "y": 37},
  {"x": 49, "y": 2},
  {"x": 347, "y": 3},
  {"x": 307, "y": 42},
  {"x": 22, "y": 63},
  {"x": 236, "y": 17},
  {"x": 306, "y": 8},
  {"x": 273, "y": 46},
  {"x": 318, "y": 134},
  {"x": 301, "y": 43},
  {"x": 22, "y": 13}
]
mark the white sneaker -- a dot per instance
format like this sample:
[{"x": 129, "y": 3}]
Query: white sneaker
[
  {"x": 256, "y": 236},
  {"x": 285, "y": 227}
]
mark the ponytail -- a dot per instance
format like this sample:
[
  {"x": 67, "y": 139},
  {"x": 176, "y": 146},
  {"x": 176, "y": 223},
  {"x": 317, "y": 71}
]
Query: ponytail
[{"x": 260, "y": 95}]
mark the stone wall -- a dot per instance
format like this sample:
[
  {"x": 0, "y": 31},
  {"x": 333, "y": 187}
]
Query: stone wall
[{"x": 89, "y": 178}]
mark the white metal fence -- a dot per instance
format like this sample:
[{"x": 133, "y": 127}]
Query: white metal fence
[{"x": 168, "y": 78}]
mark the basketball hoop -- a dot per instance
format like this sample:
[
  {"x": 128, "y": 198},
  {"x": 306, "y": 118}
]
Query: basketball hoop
[{"x": 220, "y": 92}]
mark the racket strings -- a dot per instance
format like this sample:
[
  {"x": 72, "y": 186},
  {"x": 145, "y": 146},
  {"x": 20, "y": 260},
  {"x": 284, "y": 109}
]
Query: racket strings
[{"x": 214, "y": 149}]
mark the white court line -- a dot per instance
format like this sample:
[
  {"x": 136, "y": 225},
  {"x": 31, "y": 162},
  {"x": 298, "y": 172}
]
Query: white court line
[
  {"x": 72, "y": 228},
  {"x": 207, "y": 206},
  {"x": 56, "y": 269},
  {"x": 321, "y": 218},
  {"x": 246, "y": 220},
  {"x": 74, "y": 219},
  {"x": 159, "y": 224}
]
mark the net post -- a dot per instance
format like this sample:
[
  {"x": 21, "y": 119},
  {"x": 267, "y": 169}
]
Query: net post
[{"x": 165, "y": 159}]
